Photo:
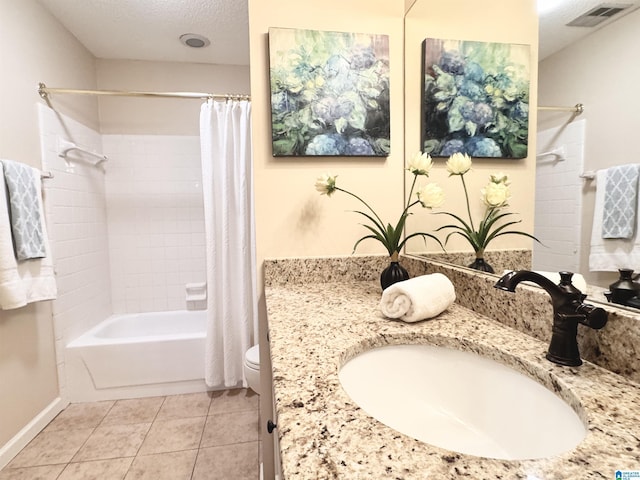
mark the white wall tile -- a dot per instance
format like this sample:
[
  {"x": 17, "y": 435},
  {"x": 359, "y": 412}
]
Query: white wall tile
[
  {"x": 558, "y": 207},
  {"x": 154, "y": 202},
  {"x": 126, "y": 236}
]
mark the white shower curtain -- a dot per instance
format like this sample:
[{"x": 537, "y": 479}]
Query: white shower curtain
[{"x": 225, "y": 137}]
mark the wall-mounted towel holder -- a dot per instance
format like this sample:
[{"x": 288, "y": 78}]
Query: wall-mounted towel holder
[
  {"x": 559, "y": 153},
  {"x": 589, "y": 174},
  {"x": 65, "y": 146}
]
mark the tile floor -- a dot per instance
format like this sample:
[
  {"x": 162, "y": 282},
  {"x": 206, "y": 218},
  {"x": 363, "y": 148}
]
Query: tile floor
[{"x": 201, "y": 436}]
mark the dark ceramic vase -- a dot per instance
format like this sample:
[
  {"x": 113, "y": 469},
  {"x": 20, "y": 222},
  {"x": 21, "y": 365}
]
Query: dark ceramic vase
[
  {"x": 392, "y": 274},
  {"x": 481, "y": 265}
]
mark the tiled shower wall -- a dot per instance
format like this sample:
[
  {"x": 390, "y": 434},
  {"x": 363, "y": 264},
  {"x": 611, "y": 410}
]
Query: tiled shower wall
[
  {"x": 127, "y": 235},
  {"x": 155, "y": 216},
  {"x": 559, "y": 199},
  {"x": 76, "y": 213}
]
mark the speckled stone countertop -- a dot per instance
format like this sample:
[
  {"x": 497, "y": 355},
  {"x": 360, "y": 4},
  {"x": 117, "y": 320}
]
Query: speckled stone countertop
[{"x": 315, "y": 328}]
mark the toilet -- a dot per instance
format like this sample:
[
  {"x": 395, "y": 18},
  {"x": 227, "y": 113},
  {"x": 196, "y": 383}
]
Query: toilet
[{"x": 252, "y": 368}]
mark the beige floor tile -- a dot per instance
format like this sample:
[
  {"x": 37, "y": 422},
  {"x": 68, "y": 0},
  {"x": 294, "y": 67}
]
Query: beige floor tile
[
  {"x": 113, "y": 441},
  {"x": 235, "y": 400},
  {"x": 184, "y": 406},
  {"x": 47, "y": 472},
  {"x": 133, "y": 410},
  {"x": 51, "y": 447},
  {"x": 173, "y": 435},
  {"x": 114, "y": 469},
  {"x": 228, "y": 462},
  {"x": 163, "y": 466},
  {"x": 232, "y": 427},
  {"x": 81, "y": 415}
]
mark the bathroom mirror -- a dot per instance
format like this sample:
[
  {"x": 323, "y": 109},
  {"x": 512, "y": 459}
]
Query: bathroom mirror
[{"x": 564, "y": 79}]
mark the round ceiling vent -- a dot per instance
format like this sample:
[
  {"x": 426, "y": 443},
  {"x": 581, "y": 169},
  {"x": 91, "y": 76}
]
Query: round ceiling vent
[{"x": 194, "y": 40}]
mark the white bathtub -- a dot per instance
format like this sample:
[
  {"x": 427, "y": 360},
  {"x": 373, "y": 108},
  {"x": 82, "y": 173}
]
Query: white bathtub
[{"x": 138, "y": 354}]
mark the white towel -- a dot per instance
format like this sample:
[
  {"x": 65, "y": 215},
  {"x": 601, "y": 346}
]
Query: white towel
[
  {"x": 419, "y": 298},
  {"x": 620, "y": 202},
  {"x": 609, "y": 255},
  {"x": 28, "y": 281}
]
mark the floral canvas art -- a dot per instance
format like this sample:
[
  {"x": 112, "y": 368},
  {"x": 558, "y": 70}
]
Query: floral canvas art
[
  {"x": 475, "y": 98},
  {"x": 329, "y": 93}
]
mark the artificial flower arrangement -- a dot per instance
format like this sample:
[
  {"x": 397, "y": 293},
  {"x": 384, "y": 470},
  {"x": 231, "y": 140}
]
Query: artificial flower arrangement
[
  {"x": 428, "y": 196},
  {"x": 495, "y": 196}
]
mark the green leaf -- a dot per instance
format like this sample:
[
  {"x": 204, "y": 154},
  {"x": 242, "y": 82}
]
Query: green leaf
[
  {"x": 423, "y": 235},
  {"x": 285, "y": 146},
  {"x": 465, "y": 225},
  {"x": 455, "y": 120},
  {"x": 382, "y": 145},
  {"x": 378, "y": 225},
  {"x": 430, "y": 146},
  {"x": 518, "y": 150},
  {"x": 381, "y": 237},
  {"x": 514, "y": 232},
  {"x": 355, "y": 245}
]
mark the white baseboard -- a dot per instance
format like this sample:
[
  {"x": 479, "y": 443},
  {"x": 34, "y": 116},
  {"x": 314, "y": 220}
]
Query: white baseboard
[{"x": 28, "y": 433}]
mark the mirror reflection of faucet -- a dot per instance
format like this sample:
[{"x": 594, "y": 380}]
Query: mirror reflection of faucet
[
  {"x": 626, "y": 290},
  {"x": 569, "y": 309}
]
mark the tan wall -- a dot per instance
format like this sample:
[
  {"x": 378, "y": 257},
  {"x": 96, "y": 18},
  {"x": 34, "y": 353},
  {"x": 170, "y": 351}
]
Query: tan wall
[
  {"x": 292, "y": 218},
  {"x": 601, "y": 72},
  {"x": 34, "y": 48},
  {"x": 487, "y": 21},
  {"x": 161, "y": 116}
]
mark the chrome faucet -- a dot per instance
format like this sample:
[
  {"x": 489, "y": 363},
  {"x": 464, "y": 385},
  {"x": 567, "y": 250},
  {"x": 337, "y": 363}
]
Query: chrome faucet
[{"x": 568, "y": 311}]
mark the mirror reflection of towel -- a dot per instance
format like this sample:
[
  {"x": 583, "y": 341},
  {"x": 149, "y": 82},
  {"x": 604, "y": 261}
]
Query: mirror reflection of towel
[
  {"x": 620, "y": 200},
  {"x": 609, "y": 255}
]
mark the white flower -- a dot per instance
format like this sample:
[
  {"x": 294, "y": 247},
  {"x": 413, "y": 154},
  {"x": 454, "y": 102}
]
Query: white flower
[
  {"x": 495, "y": 194},
  {"x": 420, "y": 164},
  {"x": 501, "y": 177},
  {"x": 431, "y": 195},
  {"x": 326, "y": 184},
  {"x": 458, "y": 164}
]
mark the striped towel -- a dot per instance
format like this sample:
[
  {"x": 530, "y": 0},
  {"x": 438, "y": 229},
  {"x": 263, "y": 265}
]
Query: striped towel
[{"x": 620, "y": 202}]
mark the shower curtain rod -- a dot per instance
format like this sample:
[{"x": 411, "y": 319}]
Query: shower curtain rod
[
  {"x": 577, "y": 108},
  {"x": 44, "y": 92}
]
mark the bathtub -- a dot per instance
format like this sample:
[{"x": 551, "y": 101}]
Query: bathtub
[{"x": 140, "y": 354}]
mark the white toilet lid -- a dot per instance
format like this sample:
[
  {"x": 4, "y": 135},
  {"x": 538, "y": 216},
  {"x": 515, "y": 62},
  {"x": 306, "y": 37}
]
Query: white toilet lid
[{"x": 252, "y": 357}]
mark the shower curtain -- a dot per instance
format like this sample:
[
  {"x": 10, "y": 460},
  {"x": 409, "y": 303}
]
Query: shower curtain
[{"x": 225, "y": 137}]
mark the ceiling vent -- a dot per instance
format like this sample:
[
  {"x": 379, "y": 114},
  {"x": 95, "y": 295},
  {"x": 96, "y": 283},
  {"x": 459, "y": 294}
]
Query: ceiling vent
[{"x": 599, "y": 14}]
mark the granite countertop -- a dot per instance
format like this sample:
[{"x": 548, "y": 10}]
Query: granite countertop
[{"x": 316, "y": 327}]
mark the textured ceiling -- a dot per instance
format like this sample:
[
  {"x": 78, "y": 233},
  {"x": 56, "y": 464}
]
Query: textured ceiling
[{"x": 149, "y": 29}]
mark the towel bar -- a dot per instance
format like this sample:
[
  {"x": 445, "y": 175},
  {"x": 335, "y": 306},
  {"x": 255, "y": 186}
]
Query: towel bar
[{"x": 65, "y": 146}]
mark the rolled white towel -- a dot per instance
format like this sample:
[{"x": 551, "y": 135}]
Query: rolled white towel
[{"x": 419, "y": 298}]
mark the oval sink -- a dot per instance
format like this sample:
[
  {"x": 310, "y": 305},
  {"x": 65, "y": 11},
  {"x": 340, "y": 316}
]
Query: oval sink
[{"x": 461, "y": 401}]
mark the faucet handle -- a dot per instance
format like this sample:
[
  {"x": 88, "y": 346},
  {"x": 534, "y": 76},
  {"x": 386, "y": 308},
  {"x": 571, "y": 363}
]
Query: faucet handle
[
  {"x": 565, "y": 277},
  {"x": 594, "y": 317},
  {"x": 568, "y": 287}
]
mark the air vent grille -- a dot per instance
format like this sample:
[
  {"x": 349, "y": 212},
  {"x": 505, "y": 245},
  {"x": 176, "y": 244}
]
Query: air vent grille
[{"x": 597, "y": 15}]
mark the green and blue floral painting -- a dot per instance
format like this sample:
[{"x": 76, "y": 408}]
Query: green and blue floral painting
[
  {"x": 475, "y": 98},
  {"x": 329, "y": 93}
]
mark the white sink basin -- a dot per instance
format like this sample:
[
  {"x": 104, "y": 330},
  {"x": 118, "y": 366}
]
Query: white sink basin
[{"x": 461, "y": 401}]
